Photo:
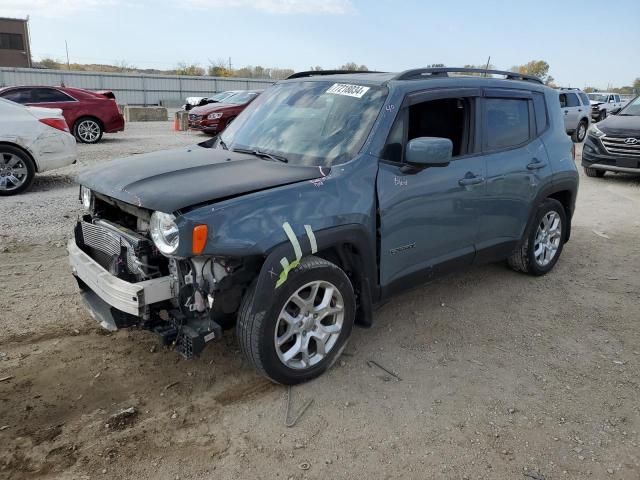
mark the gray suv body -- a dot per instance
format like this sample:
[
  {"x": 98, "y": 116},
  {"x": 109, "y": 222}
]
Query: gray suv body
[
  {"x": 327, "y": 195},
  {"x": 576, "y": 108}
]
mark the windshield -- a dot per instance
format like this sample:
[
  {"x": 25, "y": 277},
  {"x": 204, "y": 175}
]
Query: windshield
[
  {"x": 240, "y": 98},
  {"x": 632, "y": 108},
  {"x": 317, "y": 123},
  {"x": 597, "y": 97}
]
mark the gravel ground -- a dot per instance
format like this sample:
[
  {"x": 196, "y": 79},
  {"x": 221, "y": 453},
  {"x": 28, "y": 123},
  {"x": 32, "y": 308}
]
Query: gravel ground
[{"x": 503, "y": 376}]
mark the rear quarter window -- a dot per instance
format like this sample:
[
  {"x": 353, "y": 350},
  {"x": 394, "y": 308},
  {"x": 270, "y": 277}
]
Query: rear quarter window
[{"x": 540, "y": 110}]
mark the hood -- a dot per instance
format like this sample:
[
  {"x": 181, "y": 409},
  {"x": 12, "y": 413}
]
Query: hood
[
  {"x": 212, "y": 107},
  {"x": 171, "y": 180},
  {"x": 595, "y": 102},
  {"x": 621, "y": 125}
]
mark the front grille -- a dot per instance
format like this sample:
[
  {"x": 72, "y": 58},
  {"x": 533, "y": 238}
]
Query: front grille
[
  {"x": 116, "y": 249},
  {"x": 619, "y": 146},
  {"x": 193, "y": 117}
]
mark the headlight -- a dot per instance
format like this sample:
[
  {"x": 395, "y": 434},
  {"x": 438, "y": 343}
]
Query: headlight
[
  {"x": 595, "y": 131},
  {"x": 164, "y": 232},
  {"x": 86, "y": 197},
  {"x": 214, "y": 116}
]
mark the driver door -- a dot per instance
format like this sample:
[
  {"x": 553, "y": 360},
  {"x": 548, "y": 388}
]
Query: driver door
[{"x": 429, "y": 217}]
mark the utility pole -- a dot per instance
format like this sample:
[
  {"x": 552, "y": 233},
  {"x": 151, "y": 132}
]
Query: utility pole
[
  {"x": 487, "y": 67},
  {"x": 67, "y": 49}
]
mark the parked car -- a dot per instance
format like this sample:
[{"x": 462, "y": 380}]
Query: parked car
[
  {"x": 88, "y": 114},
  {"x": 200, "y": 101},
  {"x": 604, "y": 104},
  {"x": 328, "y": 194},
  {"x": 215, "y": 117},
  {"x": 32, "y": 140},
  {"x": 613, "y": 145},
  {"x": 576, "y": 108}
]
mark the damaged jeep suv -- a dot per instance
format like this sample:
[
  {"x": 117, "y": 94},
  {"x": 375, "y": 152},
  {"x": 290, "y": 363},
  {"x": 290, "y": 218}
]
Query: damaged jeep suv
[{"x": 328, "y": 194}]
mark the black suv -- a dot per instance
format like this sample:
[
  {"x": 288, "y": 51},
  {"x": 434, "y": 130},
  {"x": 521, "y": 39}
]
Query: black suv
[{"x": 327, "y": 195}]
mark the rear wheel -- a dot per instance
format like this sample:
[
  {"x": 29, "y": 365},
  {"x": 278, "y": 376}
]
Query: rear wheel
[
  {"x": 306, "y": 326},
  {"x": 580, "y": 133},
  {"x": 592, "y": 172},
  {"x": 543, "y": 241},
  {"x": 88, "y": 130},
  {"x": 17, "y": 171}
]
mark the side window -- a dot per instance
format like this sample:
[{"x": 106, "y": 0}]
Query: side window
[
  {"x": 611, "y": 99},
  {"x": 584, "y": 97},
  {"x": 507, "y": 123},
  {"x": 49, "y": 95},
  {"x": 572, "y": 100},
  {"x": 617, "y": 97},
  {"x": 563, "y": 100},
  {"x": 540, "y": 108},
  {"x": 445, "y": 118},
  {"x": 18, "y": 95}
]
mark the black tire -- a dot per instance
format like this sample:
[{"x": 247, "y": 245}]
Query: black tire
[
  {"x": 255, "y": 331},
  {"x": 602, "y": 116},
  {"x": 523, "y": 258},
  {"x": 88, "y": 130},
  {"x": 592, "y": 172},
  {"x": 580, "y": 133},
  {"x": 12, "y": 158}
]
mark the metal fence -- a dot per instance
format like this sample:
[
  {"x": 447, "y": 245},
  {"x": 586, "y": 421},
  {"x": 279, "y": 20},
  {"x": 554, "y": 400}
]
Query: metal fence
[{"x": 132, "y": 88}]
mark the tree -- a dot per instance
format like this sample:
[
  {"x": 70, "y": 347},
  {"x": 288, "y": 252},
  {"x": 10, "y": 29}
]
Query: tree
[
  {"x": 636, "y": 85},
  {"x": 537, "y": 68},
  {"x": 218, "y": 68},
  {"x": 193, "y": 70},
  {"x": 354, "y": 67},
  {"x": 49, "y": 63},
  {"x": 317, "y": 68}
]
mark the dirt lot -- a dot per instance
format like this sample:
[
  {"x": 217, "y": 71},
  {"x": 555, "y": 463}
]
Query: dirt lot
[{"x": 503, "y": 376}]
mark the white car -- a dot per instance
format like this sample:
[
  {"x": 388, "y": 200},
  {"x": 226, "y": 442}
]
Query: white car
[{"x": 32, "y": 140}]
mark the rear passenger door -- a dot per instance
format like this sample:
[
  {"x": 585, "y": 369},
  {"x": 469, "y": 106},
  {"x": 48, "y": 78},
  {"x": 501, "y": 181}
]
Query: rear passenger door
[{"x": 517, "y": 166}]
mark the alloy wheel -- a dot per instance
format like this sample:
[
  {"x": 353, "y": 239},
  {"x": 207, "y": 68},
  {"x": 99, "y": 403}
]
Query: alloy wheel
[
  {"x": 548, "y": 237},
  {"x": 582, "y": 131},
  {"x": 88, "y": 131},
  {"x": 309, "y": 325},
  {"x": 13, "y": 172}
]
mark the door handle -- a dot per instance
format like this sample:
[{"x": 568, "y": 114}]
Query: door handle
[
  {"x": 579, "y": 109},
  {"x": 566, "y": 112},
  {"x": 536, "y": 164},
  {"x": 466, "y": 181}
]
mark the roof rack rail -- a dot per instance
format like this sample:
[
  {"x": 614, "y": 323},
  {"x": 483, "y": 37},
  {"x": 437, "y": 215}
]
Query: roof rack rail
[
  {"x": 568, "y": 88},
  {"x": 313, "y": 73},
  {"x": 421, "y": 73}
]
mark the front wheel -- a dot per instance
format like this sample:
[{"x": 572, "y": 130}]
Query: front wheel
[
  {"x": 603, "y": 115},
  {"x": 593, "y": 172},
  {"x": 543, "y": 241},
  {"x": 88, "y": 130},
  {"x": 306, "y": 326}
]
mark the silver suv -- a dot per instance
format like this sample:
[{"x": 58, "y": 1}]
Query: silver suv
[{"x": 576, "y": 110}]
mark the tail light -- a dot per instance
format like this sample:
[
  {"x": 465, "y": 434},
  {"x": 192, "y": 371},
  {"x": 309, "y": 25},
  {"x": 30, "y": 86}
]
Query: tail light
[{"x": 57, "y": 123}]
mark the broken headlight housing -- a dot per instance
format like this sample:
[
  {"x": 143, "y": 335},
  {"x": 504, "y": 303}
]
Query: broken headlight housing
[
  {"x": 164, "y": 232},
  {"x": 86, "y": 197},
  {"x": 595, "y": 131}
]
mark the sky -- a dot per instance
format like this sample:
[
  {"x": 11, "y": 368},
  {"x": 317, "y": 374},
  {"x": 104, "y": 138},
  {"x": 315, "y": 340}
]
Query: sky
[{"x": 591, "y": 43}]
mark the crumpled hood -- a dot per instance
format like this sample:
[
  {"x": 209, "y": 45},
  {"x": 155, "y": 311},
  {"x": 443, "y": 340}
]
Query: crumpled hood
[
  {"x": 621, "y": 125},
  {"x": 171, "y": 180},
  {"x": 595, "y": 102},
  {"x": 212, "y": 107}
]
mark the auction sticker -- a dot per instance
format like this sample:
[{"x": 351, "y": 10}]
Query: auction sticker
[{"x": 348, "y": 90}]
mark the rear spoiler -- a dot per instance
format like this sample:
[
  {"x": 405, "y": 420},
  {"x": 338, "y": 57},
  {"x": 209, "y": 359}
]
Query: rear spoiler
[{"x": 106, "y": 93}]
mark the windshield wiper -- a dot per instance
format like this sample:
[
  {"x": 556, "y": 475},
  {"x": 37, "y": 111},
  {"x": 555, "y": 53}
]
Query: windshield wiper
[{"x": 260, "y": 154}]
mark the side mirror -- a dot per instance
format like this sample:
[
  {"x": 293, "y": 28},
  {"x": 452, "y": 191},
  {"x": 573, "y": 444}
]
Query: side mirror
[
  {"x": 611, "y": 100},
  {"x": 429, "y": 152}
]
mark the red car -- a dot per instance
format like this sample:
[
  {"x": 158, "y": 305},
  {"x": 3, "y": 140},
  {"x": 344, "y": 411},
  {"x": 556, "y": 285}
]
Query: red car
[
  {"x": 214, "y": 117},
  {"x": 88, "y": 114}
]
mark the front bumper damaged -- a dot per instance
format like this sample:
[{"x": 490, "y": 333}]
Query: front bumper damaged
[{"x": 104, "y": 292}]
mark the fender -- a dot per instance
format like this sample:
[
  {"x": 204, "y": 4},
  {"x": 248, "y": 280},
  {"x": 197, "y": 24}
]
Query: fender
[
  {"x": 559, "y": 185},
  {"x": 356, "y": 249}
]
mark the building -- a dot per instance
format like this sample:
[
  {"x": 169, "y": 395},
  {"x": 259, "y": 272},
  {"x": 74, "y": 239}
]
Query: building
[{"x": 15, "y": 50}]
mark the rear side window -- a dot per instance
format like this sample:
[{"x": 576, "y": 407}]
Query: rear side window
[
  {"x": 617, "y": 97},
  {"x": 540, "y": 109},
  {"x": 507, "y": 123},
  {"x": 572, "y": 100},
  {"x": 585, "y": 99},
  {"x": 49, "y": 95},
  {"x": 18, "y": 95}
]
